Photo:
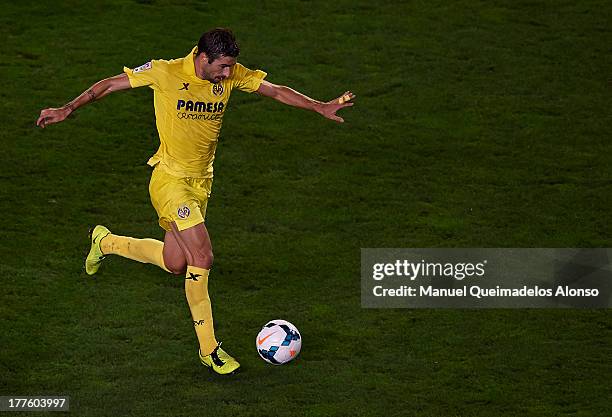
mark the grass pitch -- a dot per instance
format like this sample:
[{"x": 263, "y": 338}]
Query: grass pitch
[{"x": 477, "y": 124}]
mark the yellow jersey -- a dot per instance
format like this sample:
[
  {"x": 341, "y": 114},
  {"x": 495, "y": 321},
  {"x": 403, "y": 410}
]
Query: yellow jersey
[{"x": 189, "y": 111}]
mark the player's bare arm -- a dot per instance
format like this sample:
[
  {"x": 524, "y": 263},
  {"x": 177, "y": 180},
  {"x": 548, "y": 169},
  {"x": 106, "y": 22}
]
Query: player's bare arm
[
  {"x": 293, "y": 98},
  {"x": 95, "y": 92}
]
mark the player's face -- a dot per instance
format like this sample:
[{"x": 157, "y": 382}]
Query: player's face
[{"x": 220, "y": 69}]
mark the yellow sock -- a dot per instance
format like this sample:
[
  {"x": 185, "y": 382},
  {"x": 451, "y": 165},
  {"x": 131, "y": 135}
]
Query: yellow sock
[
  {"x": 196, "y": 291},
  {"x": 148, "y": 251}
]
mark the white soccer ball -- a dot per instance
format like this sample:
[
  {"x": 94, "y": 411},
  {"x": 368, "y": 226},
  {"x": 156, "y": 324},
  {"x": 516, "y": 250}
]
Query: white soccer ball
[{"x": 278, "y": 342}]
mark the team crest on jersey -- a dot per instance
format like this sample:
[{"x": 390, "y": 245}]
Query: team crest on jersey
[
  {"x": 217, "y": 89},
  {"x": 143, "y": 67},
  {"x": 183, "y": 212}
]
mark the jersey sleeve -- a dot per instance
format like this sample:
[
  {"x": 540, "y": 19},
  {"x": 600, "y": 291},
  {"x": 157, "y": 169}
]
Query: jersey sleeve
[
  {"x": 247, "y": 80},
  {"x": 148, "y": 74}
]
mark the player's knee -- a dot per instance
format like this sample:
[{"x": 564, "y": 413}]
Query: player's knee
[
  {"x": 174, "y": 259},
  {"x": 177, "y": 265},
  {"x": 177, "y": 268},
  {"x": 203, "y": 258}
]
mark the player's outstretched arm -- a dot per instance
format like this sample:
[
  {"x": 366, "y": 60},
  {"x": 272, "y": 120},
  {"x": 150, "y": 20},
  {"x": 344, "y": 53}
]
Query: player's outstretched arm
[
  {"x": 95, "y": 92},
  {"x": 293, "y": 98}
]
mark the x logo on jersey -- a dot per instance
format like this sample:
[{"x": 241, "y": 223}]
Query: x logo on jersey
[{"x": 185, "y": 87}]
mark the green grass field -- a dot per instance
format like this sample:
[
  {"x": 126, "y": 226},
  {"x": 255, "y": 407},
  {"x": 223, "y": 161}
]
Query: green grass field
[{"x": 477, "y": 124}]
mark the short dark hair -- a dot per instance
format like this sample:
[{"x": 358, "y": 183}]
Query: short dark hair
[{"x": 218, "y": 42}]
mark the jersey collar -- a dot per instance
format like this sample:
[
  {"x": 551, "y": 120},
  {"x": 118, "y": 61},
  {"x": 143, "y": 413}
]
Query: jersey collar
[{"x": 189, "y": 66}]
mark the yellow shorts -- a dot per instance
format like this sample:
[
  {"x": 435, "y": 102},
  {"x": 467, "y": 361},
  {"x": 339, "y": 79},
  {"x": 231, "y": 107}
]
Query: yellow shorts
[{"x": 179, "y": 200}]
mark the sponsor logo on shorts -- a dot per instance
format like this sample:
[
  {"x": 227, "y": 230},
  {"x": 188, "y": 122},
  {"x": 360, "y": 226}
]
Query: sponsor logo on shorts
[
  {"x": 183, "y": 212},
  {"x": 143, "y": 67}
]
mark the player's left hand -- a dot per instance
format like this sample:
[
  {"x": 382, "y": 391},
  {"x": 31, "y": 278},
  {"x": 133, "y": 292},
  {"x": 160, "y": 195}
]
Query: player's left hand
[{"x": 330, "y": 108}]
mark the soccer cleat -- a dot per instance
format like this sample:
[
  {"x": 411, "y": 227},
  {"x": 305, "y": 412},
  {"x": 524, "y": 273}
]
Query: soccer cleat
[
  {"x": 219, "y": 361},
  {"x": 95, "y": 256}
]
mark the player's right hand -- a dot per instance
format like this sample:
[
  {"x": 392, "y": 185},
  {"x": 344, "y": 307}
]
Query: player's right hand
[{"x": 52, "y": 115}]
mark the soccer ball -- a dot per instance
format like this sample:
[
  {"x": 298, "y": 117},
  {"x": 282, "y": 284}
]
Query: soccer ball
[{"x": 278, "y": 342}]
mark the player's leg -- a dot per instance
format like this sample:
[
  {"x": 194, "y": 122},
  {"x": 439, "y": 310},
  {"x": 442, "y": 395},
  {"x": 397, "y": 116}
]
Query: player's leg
[
  {"x": 181, "y": 207},
  {"x": 173, "y": 255},
  {"x": 103, "y": 243},
  {"x": 197, "y": 249},
  {"x": 195, "y": 244},
  {"x": 152, "y": 251}
]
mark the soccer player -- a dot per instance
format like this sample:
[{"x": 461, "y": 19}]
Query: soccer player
[{"x": 190, "y": 96}]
